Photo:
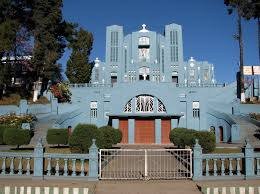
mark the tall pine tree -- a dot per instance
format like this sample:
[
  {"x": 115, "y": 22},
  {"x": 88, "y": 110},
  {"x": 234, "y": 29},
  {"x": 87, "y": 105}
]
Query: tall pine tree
[
  {"x": 78, "y": 66},
  {"x": 50, "y": 33}
]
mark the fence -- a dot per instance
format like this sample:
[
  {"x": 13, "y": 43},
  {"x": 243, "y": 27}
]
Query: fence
[
  {"x": 245, "y": 165},
  {"x": 40, "y": 165}
]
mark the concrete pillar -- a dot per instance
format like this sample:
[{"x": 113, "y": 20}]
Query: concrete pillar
[
  {"x": 197, "y": 161},
  {"x": 38, "y": 161},
  {"x": 174, "y": 123},
  {"x": 158, "y": 131},
  {"x": 249, "y": 161},
  {"x": 93, "y": 161},
  {"x": 54, "y": 106},
  {"x": 131, "y": 131},
  {"x": 115, "y": 123},
  {"x": 23, "y": 107}
]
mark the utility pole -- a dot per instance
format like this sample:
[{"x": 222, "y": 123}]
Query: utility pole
[{"x": 241, "y": 59}]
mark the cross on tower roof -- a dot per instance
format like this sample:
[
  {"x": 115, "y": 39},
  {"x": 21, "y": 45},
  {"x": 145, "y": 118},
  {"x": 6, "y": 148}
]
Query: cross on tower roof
[{"x": 144, "y": 28}]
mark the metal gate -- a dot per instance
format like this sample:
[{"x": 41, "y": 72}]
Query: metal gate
[{"x": 145, "y": 164}]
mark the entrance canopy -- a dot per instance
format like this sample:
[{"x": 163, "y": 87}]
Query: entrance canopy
[{"x": 147, "y": 116}]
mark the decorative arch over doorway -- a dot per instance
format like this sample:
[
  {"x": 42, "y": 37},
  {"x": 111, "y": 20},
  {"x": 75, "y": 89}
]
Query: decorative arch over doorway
[{"x": 144, "y": 103}]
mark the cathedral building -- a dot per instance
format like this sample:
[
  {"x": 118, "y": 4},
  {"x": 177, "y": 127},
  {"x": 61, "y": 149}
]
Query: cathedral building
[{"x": 146, "y": 88}]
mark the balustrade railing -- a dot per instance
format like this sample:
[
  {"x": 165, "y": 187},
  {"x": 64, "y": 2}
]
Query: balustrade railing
[
  {"x": 244, "y": 165},
  {"x": 92, "y": 85},
  {"x": 222, "y": 165},
  {"x": 66, "y": 164},
  {"x": 41, "y": 165},
  {"x": 180, "y": 85},
  {"x": 20, "y": 164},
  {"x": 257, "y": 164}
]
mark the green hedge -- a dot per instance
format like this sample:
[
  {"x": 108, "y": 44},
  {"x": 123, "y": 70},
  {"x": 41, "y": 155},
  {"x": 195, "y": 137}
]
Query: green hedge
[
  {"x": 82, "y": 136},
  {"x": 2, "y": 129},
  {"x": 16, "y": 136},
  {"x": 57, "y": 136},
  {"x": 182, "y": 137}
]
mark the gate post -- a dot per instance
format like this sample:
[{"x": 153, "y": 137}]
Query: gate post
[
  {"x": 249, "y": 160},
  {"x": 197, "y": 161},
  {"x": 93, "y": 161},
  {"x": 38, "y": 157},
  {"x": 145, "y": 164}
]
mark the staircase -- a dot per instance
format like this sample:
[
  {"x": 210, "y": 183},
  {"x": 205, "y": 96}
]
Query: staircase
[
  {"x": 41, "y": 127},
  {"x": 248, "y": 130}
]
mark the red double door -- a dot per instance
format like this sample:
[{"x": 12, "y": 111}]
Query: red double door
[{"x": 145, "y": 131}]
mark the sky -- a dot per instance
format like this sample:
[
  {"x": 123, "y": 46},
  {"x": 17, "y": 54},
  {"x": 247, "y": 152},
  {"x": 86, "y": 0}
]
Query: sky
[{"x": 207, "y": 28}]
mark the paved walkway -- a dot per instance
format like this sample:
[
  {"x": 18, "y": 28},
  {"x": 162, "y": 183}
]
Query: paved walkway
[
  {"x": 113, "y": 187},
  {"x": 147, "y": 187},
  {"x": 132, "y": 187},
  {"x": 42, "y": 125}
]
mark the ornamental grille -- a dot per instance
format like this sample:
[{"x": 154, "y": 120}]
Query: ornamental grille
[
  {"x": 128, "y": 106},
  {"x": 145, "y": 104},
  {"x": 161, "y": 107}
]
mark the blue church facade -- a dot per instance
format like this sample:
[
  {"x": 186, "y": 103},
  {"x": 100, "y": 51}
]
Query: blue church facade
[{"x": 145, "y": 88}]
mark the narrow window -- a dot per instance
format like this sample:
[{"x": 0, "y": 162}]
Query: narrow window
[
  {"x": 125, "y": 60},
  {"x": 175, "y": 79},
  {"x": 196, "y": 109},
  {"x": 114, "y": 47},
  {"x": 93, "y": 109},
  {"x": 162, "y": 60}
]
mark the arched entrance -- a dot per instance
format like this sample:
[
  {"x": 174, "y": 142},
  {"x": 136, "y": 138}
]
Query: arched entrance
[
  {"x": 221, "y": 133},
  {"x": 145, "y": 121}
]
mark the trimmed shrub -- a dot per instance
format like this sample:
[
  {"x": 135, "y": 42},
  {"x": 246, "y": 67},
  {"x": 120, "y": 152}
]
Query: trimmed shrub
[
  {"x": 2, "y": 129},
  {"x": 14, "y": 136},
  {"x": 57, "y": 136},
  {"x": 118, "y": 135},
  {"x": 207, "y": 140},
  {"x": 82, "y": 136},
  {"x": 108, "y": 136},
  {"x": 182, "y": 137}
]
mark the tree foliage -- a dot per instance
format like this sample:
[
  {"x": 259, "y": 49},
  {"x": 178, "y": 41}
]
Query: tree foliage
[
  {"x": 247, "y": 8},
  {"x": 78, "y": 66},
  {"x": 35, "y": 28}
]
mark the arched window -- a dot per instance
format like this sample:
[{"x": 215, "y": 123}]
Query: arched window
[{"x": 144, "y": 104}]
